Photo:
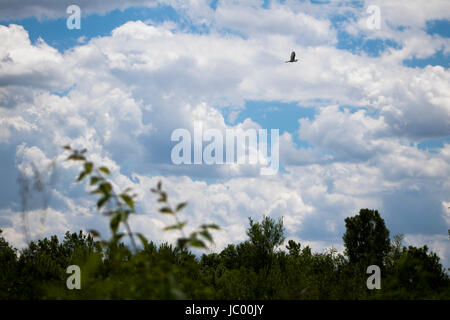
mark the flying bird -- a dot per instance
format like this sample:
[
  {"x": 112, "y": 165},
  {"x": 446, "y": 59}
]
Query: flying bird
[{"x": 292, "y": 57}]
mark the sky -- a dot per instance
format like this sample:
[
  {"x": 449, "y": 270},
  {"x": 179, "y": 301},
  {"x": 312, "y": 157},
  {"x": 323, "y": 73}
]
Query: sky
[{"x": 363, "y": 116}]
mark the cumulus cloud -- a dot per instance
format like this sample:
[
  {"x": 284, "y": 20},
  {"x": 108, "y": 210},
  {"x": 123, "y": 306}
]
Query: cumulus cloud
[
  {"x": 45, "y": 9},
  {"x": 122, "y": 95},
  {"x": 22, "y": 64},
  {"x": 279, "y": 21}
]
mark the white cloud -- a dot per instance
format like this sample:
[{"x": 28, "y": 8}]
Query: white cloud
[
  {"x": 44, "y": 9},
  {"x": 23, "y": 64},
  {"x": 126, "y": 93},
  {"x": 278, "y": 21}
]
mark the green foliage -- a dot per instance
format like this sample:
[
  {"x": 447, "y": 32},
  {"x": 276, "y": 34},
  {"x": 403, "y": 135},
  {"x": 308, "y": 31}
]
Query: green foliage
[
  {"x": 257, "y": 268},
  {"x": 8, "y": 269},
  {"x": 366, "y": 238},
  {"x": 265, "y": 236},
  {"x": 197, "y": 238},
  {"x": 415, "y": 273}
]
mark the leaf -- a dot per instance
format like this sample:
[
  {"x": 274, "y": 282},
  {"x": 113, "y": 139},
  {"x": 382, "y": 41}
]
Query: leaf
[
  {"x": 143, "y": 239},
  {"x": 182, "y": 242},
  {"x": 95, "y": 179},
  {"x": 119, "y": 236},
  {"x": 163, "y": 197},
  {"x": 176, "y": 226},
  {"x": 82, "y": 175},
  {"x": 196, "y": 243},
  {"x": 102, "y": 201},
  {"x": 67, "y": 147},
  {"x": 181, "y": 206},
  {"x": 158, "y": 186},
  {"x": 94, "y": 233},
  {"x": 105, "y": 170},
  {"x": 88, "y": 167},
  {"x": 76, "y": 157},
  {"x": 206, "y": 235},
  {"x": 114, "y": 223},
  {"x": 166, "y": 210},
  {"x": 210, "y": 226},
  {"x": 124, "y": 215},
  {"x": 105, "y": 188},
  {"x": 168, "y": 228},
  {"x": 128, "y": 200}
]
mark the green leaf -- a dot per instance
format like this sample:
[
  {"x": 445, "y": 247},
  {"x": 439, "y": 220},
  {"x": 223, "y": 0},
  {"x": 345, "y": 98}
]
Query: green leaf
[
  {"x": 128, "y": 200},
  {"x": 196, "y": 243},
  {"x": 182, "y": 242},
  {"x": 94, "y": 233},
  {"x": 181, "y": 206},
  {"x": 118, "y": 236},
  {"x": 95, "y": 179},
  {"x": 114, "y": 223},
  {"x": 166, "y": 210},
  {"x": 88, "y": 167},
  {"x": 163, "y": 197},
  {"x": 76, "y": 157},
  {"x": 143, "y": 239},
  {"x": 206, "y": 235},
  {"x": 176, "y": 226},
  {"x": 105, "y": 170},
  {"x": 105, "y": 188},
  {"x": 82, "y": 175},
  {"x": 124, "y": 215},
  {"x": 210, "y": 226},
  {"x": 102, "y": 201}
]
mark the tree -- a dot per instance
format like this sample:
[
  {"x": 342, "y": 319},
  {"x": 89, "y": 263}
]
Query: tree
[
  {"x": 293, "y": 248},
  {"x": 417, "y": 273},
  {"x": 8, "y": 269},
  {"x": 366, "y": 238},
  {"x": 265, "y": 236}
]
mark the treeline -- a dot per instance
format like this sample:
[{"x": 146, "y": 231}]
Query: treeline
[
  {"x": 265, "y": 266},
  {"x": 254, "y": 269}
]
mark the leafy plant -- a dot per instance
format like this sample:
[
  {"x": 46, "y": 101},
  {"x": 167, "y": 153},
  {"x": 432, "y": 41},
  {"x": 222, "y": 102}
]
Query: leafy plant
[
  {"x": 122, "y": 204},
  {"x": 197, "y": 238}
]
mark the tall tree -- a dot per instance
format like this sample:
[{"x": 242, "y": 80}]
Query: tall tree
[
  {"x": 366, "y": 238},
  {"x": 265, "y": 236}
]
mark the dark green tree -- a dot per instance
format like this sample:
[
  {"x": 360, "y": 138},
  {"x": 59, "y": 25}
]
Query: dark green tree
[
  {"x": 8, "y": 269},
  {"x": 416, "y": 273},
  {"x": 366, "y": 238},
  {"x": 265, "y": 236}
]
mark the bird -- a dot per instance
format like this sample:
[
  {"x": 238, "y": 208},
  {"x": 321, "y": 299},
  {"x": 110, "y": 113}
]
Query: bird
[{"x": 292, "y": 57}]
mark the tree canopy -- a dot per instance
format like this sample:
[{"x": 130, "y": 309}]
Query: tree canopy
[{"x": 257, "y": 268}]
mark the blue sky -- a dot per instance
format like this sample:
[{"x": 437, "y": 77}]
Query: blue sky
[
  {"x": 364, "y": 116},
  {"x": 266, "y": 113}
]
